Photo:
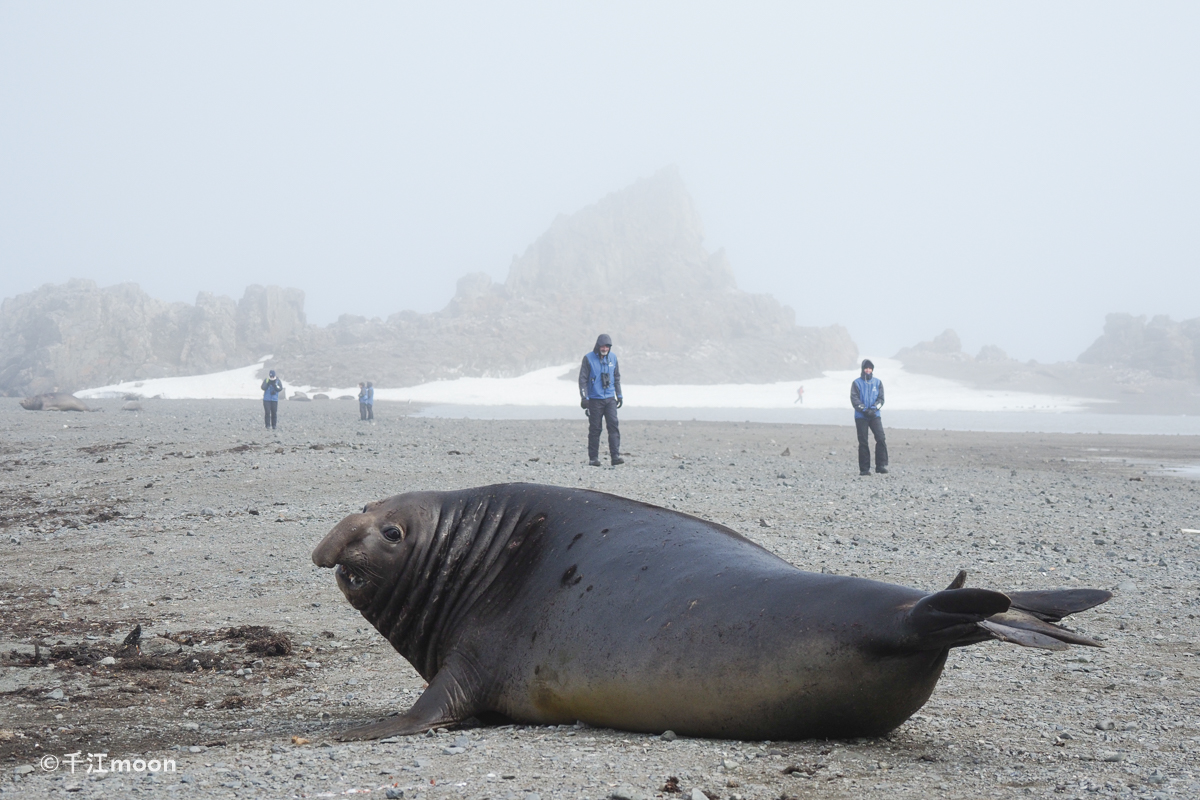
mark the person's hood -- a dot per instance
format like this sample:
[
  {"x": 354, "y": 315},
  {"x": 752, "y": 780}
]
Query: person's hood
[
  {"x": 866, "y": 363},
  {"x": 601, "y": 340}
]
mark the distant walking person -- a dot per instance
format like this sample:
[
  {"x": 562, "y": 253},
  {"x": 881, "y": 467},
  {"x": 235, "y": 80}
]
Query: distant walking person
[
  {"x": 600, "y": 397},
  {"x": 799, "y": 396},
  {"x": 362, "y": 402},
  {"x": 370, "y": 402},
  {"x": 866, "y": 395},
  {"x": 272, "y": 387}
]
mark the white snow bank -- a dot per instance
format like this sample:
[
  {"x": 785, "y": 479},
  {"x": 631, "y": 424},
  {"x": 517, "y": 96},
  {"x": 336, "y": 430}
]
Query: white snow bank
[{"x": 905, "y": 391}]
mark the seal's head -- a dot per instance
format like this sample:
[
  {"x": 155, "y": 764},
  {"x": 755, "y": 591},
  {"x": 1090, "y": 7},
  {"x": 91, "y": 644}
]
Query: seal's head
[
  {"x": 32, "y": 403},
  {"x": 368, "y": 551}
]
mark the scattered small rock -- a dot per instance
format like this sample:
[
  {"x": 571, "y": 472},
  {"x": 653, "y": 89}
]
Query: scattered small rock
[
  {"x": 627, "y": 792},
  {"x": 158, "y": 646}
]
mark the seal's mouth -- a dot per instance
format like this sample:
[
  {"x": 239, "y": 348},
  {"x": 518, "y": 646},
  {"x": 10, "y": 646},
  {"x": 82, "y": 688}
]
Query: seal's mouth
[{"x": 349, "y": 580}]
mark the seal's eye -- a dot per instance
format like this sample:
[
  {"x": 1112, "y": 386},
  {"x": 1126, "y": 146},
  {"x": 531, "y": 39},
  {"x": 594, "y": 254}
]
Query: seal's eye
[{"x": 392, "y": 533}]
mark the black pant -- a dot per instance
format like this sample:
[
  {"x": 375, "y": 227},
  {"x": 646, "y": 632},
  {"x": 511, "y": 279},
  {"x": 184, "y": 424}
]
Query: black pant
[
  {"x": 864, "y": 451},
  {"x": 598, "y": 412},
  {"x": 270, "y": 412},
  {"x": 370, "y": 412},
  {"x": 362, "y": 411}
]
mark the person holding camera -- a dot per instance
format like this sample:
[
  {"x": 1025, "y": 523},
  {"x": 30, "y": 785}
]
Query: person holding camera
[
  {"x": 600, "y": 397},
  {"x": 866, "y": 395},
  {"x": 272, "y": 387}
]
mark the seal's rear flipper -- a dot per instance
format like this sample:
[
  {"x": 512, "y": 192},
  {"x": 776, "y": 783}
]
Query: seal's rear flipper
[
  {"x": 1054, "y": 604},
  {"x": 1027, "y": 623},
  {"x": 445, "y": 702},
  {"x": 948, "y": 618}
]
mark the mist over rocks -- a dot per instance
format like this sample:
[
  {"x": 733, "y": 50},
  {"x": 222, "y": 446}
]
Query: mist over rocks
[
  {"x": 632, "y": 265},
  {"x": 77, "y": 334},
  {"x": 1133, "y": 368},
  {"x": 644, "y": 241},
  {"x": 1162, "y": 347}
]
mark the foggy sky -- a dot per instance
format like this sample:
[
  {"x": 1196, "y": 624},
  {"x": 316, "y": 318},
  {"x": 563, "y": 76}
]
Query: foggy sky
[{"x": 1013, "y": 171}]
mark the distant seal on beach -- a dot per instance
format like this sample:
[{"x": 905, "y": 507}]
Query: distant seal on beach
[
  {"x": 547, "y": 605},
  {"x": 54, "y": 401}
]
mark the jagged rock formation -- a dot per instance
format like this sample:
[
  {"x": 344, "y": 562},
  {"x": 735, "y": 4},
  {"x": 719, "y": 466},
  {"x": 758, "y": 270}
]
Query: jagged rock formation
[
  {"x": 633, "y": 265},
  {"x": 78, "y": 335},
  {"x": 1162, "y": 347}
]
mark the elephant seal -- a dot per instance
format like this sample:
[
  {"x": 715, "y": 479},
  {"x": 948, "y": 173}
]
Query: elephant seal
[
  {"x": 547, "y": 605},
  {"x": 54, "y": 401}
]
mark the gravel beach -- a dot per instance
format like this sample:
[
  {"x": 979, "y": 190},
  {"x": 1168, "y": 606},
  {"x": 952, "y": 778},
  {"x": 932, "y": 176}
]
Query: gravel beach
[{"x": 187, "y": 519}]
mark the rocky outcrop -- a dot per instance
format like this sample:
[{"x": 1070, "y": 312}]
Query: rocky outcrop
[
  {"x": 267, "y": 316},
  {"x": 1114, "y": 374},
  {"x": 945, "y": 345},
  {"x": 644, "y": 241},
  {"x": 1162, "y": 347},
  {"x": 633, "y": 265},
  {"x": 78, "y": 335}
]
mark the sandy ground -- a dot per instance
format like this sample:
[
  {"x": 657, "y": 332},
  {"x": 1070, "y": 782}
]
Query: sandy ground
[{"x": 190, "y": 521}]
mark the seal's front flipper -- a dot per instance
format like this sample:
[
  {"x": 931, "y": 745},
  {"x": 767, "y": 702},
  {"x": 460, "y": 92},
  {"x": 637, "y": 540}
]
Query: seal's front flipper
[
  {"x": 446, "y": 701},
  {"x": 398, "y": 725}
]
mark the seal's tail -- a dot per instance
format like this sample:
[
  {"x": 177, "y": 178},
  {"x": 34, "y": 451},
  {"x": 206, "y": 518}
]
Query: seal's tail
[
  {"x": 957, "y": 617},
  {"x": 1028, "y": 620}
]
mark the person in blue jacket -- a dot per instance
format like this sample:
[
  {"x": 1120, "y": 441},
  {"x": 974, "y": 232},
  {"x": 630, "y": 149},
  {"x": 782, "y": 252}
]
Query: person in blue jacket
[
  {"x": 272, "y": 387},
  {"x": 370, "y": 401},
  {"x": 600, "y": 397},
  {"x": 866, "y": 395}
]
